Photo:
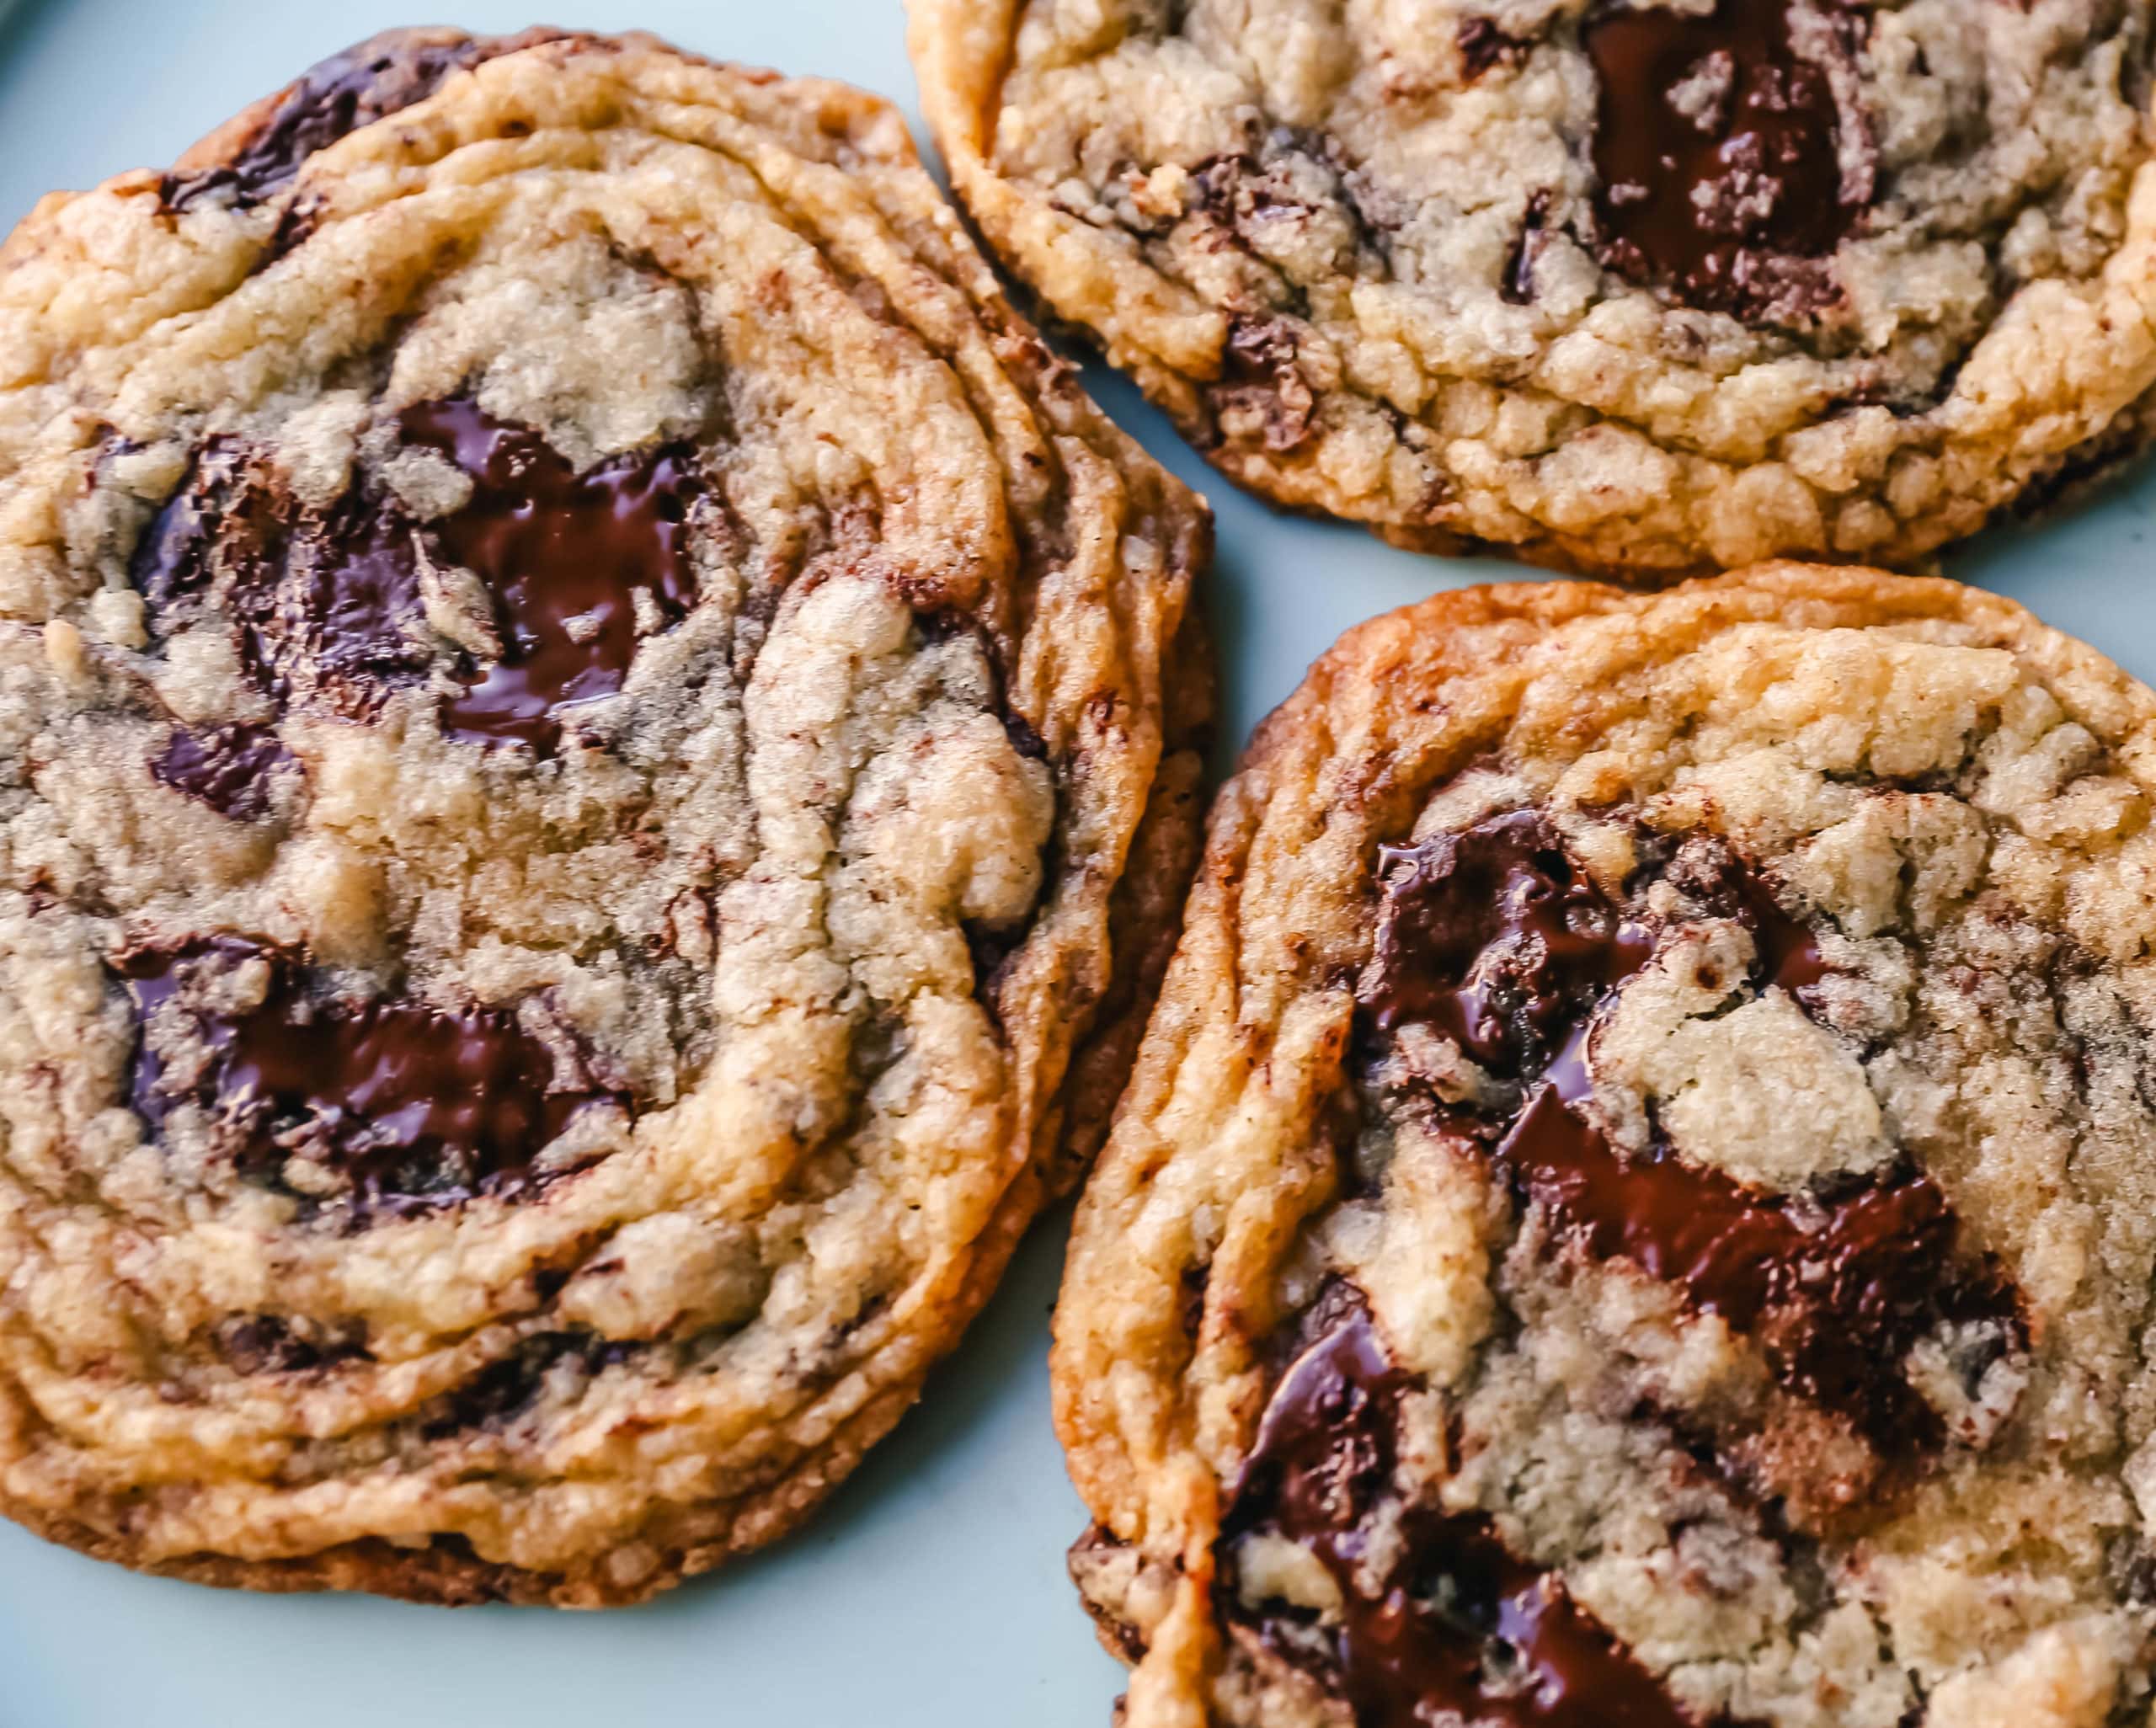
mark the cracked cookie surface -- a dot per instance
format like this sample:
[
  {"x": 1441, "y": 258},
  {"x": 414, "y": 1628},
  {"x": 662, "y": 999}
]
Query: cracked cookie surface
[
  {"x": 1648, "y": 289},
  {"x": 1638, "y": 1201},
  {"x": 598, "y": 755}
]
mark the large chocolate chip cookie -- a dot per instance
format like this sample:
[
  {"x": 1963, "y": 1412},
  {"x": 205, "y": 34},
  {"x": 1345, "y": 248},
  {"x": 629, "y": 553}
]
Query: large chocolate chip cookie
[
  {"x": 1638, "y": 1203},
  {"x": 596, "y": 756},
  {"x": 1646, "y": 289}
]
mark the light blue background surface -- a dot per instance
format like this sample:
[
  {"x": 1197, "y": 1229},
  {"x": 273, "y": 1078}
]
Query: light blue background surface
[{"x": 931, "y": 1591}]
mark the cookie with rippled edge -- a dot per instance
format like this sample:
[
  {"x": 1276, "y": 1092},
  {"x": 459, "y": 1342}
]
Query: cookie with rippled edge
[
  {"x": 598, "y": 759},
  {"x": 1644, "y": 289},
  {"x": 1638, "y": 1199}
]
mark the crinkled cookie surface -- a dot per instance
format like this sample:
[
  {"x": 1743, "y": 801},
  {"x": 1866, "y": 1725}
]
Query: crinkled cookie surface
[
  {"x": 596, "y": 746},
  {"x": 1646, "y": 289},
  {"x": 1638, "y": 1201}
]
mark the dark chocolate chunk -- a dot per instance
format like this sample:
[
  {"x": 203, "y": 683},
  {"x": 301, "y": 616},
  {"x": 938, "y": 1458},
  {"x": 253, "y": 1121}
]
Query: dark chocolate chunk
[
  {"x": 405, "y": 1099},
  {"x": 989, "y": 947},
  {"x": 153, "y": 977},
  {"x": 1728, "y": 173},
  {"x": 1835, "y": 1291},
  {"x": 1786, "y": 950},
  {"x": 939, "y": 625},
  {"x": 353, "y": 608},
  {"x": 1518, "y": 287},
  {"x": 2073, "y": 474},
  {"x": 222, "y": 519},
  {"x": 269, "y": 1344},
  {"x": 1484, "y": 44},
  {"x": 2136, "y": 1573},
  {"x": 1099, "y": 1551},
  {"x": 330, "y": 100},
  {"x": 171, "y": 562},
  {"x": 227, "y": 767},
  {"x": 1292, "y": 179},
  {"x": 564, "y": 555},
  {"x": 328, "y": 606},
  {"x": 1456, "y": 1626},
  {"x": 1259, "y": 375},
  {"x": 1494, "y": 936},
  {"x": 1024, "y": 740},
  {"x": 504, "y": 1389}
]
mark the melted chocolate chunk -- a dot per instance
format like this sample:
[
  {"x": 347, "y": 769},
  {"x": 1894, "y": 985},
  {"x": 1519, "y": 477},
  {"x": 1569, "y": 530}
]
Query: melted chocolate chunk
[
  {"x": 356, "y": 613},
  {"x": 227, "y": 767},
  {"x": 1786, "y": 950},
  {"x": 939, "y": 625},
  {"x": 504, "y": 1389},
  {"x": 1484, "y": 44},
  {"x": 326, "y": 604},
  {"x": 153, "y": 979},
  {"x": 564, "y": 554},
  {"x": 1728, "y": 173},
  {"x": 989, "y": 945},
  {"x": 989, "y": 948},
  {"x": 269, "y": 1344},
  {"x": 328, "y": 101},
  {"x": 1098, "y": 1550},
  {"x": 406, "y": 1100},
  {"x": 329, "y": 606},
  {"x": 2074, "y": 473},
  {"x": 171, "y": 562},
  {"x": 1259, "y": 375},
  {"x": 1835, "y": 1292},
  {"x": 1495, "y": 937},
  {"x": 1024, "y": 740},
  {"x": 1518, "y": 287},
  {"x": 1457, "y": 1626},
  {"x": 221, "y": 503}
]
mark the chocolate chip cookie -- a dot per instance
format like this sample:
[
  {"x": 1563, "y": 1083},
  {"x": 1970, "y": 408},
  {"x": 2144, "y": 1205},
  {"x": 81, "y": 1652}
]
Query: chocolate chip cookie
[
  {"x": 597, "y": 761},
  {"x": 1638, "y": 1201},
  {"x": 1642, "y": 287}
]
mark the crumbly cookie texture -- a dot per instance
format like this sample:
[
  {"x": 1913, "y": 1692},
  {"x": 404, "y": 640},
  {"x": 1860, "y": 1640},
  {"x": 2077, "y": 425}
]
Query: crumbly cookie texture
[
  {"x": 598, "y": 753},
  {"x": 1638, "y": 1199},
  {"x": 1641, "y": 287}
]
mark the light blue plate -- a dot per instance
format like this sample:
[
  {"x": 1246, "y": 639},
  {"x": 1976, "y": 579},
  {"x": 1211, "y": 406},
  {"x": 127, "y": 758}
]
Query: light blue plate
[{"x": 931, "y": 1591}]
